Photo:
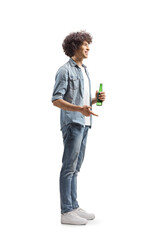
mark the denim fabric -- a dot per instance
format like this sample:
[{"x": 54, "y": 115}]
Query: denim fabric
[
  {"x": 74, "y": 139},
  {"x": 69, "y": 85}
]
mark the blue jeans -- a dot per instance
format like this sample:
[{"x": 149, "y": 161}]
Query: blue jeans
[{"x": 74, "y": 139}]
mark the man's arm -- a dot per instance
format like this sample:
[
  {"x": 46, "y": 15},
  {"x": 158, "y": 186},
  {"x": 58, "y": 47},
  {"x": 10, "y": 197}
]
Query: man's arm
[
  {"x": 85, "y": 110},
  {"x": 66, "y": 105},
  {"x": 94, "y": 100}
]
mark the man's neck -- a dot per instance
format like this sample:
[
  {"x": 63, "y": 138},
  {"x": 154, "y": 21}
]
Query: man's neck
[{"x": 79, "y": 61}]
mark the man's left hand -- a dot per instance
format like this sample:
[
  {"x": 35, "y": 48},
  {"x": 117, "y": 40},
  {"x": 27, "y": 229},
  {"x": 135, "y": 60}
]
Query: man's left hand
[{"x": 102, "y": 96}]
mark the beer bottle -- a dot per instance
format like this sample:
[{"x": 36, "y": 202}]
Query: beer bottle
[{"x": 99, "y": 102}]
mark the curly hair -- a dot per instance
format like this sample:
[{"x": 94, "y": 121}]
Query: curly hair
[{"x": 74, "y": 40}]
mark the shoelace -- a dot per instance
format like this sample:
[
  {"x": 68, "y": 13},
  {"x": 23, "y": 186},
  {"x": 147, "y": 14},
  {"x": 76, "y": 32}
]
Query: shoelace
[{"x": 80, "y": 209}]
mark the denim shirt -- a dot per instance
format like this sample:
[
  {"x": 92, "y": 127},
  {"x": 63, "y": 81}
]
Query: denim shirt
[{"x": 69, "y": 86}]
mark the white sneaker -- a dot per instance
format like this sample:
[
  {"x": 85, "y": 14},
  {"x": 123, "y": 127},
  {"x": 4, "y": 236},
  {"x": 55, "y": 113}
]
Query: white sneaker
[
  {"x": 84, "y": 214},
  {"x": 72, "y": 218}
]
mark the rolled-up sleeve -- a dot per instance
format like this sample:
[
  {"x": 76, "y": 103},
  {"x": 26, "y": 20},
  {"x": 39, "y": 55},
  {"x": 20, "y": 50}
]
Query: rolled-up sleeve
[{"x": 61, "y": 83}]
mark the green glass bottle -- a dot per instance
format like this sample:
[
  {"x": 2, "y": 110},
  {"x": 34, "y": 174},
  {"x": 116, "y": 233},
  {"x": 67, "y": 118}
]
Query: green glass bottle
[{"x": 99, "y": 102}]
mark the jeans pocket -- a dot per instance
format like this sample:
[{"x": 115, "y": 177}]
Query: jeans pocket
[{"x": 65, "y": 130}]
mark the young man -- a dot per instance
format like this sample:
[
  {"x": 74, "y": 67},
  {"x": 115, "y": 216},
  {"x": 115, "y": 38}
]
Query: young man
[{"x": 72, "y": 94}]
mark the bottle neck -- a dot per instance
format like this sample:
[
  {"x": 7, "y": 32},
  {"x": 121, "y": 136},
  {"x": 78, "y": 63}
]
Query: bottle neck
[{"x": 101, "y": 87}]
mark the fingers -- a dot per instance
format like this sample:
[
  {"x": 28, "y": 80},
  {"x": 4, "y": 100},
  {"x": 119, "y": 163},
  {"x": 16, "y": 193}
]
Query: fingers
[
  {"x": 102, "y": 96},
  {"x": 93, "y": 113},
  {"x": 88, "y": 107},
  {"x": 90, "y": 112}
]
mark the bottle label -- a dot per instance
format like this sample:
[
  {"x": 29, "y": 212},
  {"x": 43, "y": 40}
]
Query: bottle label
[{"x": 98, "y": 100}]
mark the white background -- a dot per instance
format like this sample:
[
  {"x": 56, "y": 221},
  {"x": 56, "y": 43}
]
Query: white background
[{"x": 119, "y": 179}]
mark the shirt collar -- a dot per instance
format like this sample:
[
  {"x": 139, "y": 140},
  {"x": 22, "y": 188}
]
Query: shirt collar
[{"x": 74, "y": 64}]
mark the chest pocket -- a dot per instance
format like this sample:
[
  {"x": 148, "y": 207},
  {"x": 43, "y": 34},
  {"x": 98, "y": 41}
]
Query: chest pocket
[{"x": 73, "y": 82}]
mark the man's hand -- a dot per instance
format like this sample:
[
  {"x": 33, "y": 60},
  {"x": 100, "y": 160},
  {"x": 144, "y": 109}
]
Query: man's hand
[
  {"x": 85, "y": 110},
  {"x": 102, "y": 96}
]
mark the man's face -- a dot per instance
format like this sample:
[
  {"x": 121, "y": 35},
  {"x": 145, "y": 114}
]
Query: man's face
[{"x": 83, "y": 50}]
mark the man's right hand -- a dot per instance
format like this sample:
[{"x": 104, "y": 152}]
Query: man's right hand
[{"x": 85, "y": 110}]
